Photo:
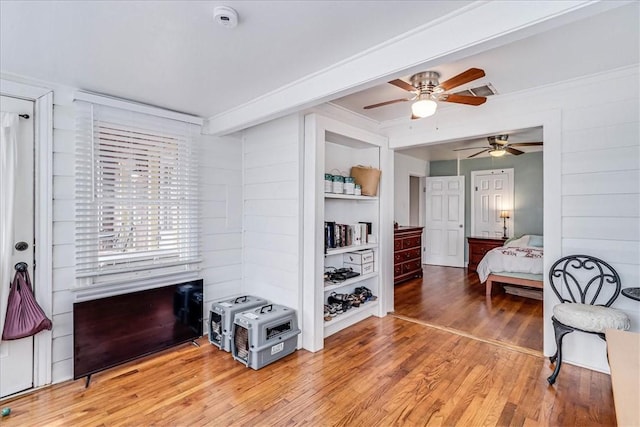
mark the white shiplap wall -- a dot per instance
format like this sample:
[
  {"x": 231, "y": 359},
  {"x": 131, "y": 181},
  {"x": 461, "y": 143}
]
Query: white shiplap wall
[
  {"x": 272, "y": 211},
  {"x": 221, "y": 210},
  {"x": 63, "y": 234},
  {"x": 597, "y": 184}
]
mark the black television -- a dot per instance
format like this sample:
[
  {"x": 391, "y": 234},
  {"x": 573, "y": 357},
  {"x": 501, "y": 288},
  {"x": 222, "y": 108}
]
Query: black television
[{"x": 113, "y": 330}]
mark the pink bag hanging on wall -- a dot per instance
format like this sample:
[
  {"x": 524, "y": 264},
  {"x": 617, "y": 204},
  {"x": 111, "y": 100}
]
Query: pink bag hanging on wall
[{"x": 24, "y": 316}]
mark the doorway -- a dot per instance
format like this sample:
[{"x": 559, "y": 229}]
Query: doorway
[
  {"x": 17, "y": 231},
  {"x": 458, "y": 290}
]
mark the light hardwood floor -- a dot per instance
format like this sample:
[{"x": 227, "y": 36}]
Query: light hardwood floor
[
  {"x": 454, "y": 298},
  {"x": 380, "y": 372}
]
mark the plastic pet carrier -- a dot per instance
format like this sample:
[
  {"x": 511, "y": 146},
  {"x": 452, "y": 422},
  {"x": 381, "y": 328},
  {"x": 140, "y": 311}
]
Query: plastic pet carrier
[
  {"x": 264, "y": 335},
  {"x": 221, "y": 318}
]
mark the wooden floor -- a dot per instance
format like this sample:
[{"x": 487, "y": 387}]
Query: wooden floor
[
  {"x": 380, "y": 372},
  {"x": 454, "y": 298}
]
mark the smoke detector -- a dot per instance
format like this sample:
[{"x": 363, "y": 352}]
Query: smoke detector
[{"x": 225, "y": 16}]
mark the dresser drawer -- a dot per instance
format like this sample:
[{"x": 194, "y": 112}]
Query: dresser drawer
[
  {"x": 410, "y": 254},
  {"x": 411, "y": 242},
  {"x": 410, "y": 266},
  {"x": 397, "y": 270}
]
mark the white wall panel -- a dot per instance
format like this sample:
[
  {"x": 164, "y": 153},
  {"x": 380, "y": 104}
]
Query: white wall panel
[
  {"x": 605, "y": 114},
  {"x": 275, "y": 173},
  {"x": 272, "y": 211},
  {"x": 63, "y": 232},
  {"x": 623, "y": 182},
  {"x": 64, "y": 325},
  {"x": 607, "y": 205},
  {"x": 221, "y": 241},
  {"x": 601, "y": 228},
  {"x": 63, "y": 278},
  {"x": 612, "y": 159},
  {"x": 283, "y": 208},
  {"x": 618, "y": 135}
]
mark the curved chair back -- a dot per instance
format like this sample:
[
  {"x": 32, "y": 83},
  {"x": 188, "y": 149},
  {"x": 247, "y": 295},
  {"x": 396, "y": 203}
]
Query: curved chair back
[{"x": 584, "y": 279}]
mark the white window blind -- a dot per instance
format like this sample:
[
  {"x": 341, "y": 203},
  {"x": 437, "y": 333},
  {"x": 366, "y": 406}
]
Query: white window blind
[{"x": 136, "y": 195}]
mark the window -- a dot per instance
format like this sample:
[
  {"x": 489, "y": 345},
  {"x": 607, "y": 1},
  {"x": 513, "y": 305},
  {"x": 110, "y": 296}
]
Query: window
[{"x": 137, "y": 195}]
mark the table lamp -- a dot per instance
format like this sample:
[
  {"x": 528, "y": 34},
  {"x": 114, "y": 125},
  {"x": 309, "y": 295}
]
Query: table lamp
[{"x": 504, "y": 215}]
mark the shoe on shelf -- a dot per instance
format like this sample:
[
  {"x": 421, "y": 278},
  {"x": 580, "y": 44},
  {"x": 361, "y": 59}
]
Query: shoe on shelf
[{"x": 327, "y": 313}]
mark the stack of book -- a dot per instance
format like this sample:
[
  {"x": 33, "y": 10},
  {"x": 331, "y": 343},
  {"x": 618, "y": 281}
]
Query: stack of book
[{"x": 341, "y": 235}]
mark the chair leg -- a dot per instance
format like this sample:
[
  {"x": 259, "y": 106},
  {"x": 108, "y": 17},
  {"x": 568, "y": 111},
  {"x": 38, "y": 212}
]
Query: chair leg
[{"x": 560, "y": 331}]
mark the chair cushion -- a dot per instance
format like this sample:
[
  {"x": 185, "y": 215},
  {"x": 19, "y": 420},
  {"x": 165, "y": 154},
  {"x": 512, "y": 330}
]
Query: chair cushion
[{"x": 591, "y": 318}]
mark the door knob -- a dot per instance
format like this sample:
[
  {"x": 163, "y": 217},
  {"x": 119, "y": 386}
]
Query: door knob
[{"x": 21, "y": 246}]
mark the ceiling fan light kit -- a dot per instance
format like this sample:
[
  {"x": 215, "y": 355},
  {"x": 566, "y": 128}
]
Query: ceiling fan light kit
[
  {"x": 428, "y": 91},
  {"x": 498, "y": 152},
  {"x": 424, "y": 108}
]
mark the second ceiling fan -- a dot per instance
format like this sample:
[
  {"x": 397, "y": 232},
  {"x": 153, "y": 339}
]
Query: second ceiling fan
[
  {"x": 499, "y": 145},
  {"x": 427, "y": 89}
]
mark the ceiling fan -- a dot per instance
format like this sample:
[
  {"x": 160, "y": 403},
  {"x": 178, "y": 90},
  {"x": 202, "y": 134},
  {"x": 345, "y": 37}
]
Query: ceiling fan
[
  {"x": 427, "y": 90},
  {"x": 499, "y": 145}
]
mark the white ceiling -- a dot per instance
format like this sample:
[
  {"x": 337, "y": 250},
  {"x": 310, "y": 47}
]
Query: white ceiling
[{"x": 171, "y": 54}]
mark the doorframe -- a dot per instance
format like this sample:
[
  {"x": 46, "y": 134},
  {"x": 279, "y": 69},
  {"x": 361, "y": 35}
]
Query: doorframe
[
  {"x": 472, "y": 184},
  {"x": 43, "y": 210}
]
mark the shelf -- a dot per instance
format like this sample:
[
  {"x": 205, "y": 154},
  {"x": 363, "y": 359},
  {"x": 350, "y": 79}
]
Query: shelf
[
  {"x": 345, "y": 249},
  {"x": 348, "y": 196},
  {"x": 350, "y": 317},
  {"x": 333, "y": 286}
]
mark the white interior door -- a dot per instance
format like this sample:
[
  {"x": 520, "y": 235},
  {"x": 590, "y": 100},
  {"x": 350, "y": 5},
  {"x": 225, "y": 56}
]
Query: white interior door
[
  {"x": 16, "y": 356},
  {"x": 444, "y": 224},
  {"x": 492, "y": 192}
]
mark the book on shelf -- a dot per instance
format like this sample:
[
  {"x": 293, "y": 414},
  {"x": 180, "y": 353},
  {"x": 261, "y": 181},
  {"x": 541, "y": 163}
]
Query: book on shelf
[{"x": 341, "y": 235}]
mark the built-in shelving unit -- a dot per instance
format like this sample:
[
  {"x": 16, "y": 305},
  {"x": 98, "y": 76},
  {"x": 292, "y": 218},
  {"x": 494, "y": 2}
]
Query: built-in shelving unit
[{"x": 334, "y": 147}]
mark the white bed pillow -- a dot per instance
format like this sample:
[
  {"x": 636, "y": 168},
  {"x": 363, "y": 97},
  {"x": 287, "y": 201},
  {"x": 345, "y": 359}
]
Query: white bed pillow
[{"x": 521, "y": 242}]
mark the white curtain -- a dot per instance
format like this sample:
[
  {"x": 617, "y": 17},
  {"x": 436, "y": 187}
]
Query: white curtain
[{"x": 8, "y": 160}]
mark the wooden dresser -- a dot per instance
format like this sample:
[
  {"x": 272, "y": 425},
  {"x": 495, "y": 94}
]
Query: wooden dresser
[
  {"x": 478, "y": 246},
  {"x": 407, "y": 253}
]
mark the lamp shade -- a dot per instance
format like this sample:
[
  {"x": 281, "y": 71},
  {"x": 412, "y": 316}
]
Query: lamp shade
[
  {"x": 497, "y": 152},
  {"x": 504, "y": 214},
  {"x": 424, "y": 108}
]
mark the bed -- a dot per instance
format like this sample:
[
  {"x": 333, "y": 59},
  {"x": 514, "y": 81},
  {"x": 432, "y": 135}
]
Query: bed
[{"x": 519, "y": 263}]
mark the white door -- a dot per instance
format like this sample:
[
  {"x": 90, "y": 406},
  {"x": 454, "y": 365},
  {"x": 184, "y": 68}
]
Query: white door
[
  {"x": 492, "y": 193},
  {"x": 444, "y": 225},
  {"x": 16, "y": 356}
]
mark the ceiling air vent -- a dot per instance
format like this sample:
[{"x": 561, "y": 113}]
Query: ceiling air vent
[{"x": 486, "y": 90}]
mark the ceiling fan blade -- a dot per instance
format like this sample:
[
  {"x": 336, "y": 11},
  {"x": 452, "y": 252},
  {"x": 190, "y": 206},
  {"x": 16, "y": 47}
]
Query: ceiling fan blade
[
  {"x": 465, "y": 77},
  {"x": 525, "y": 144},
  {"x": 468, "y": 148},
  {"x": 382, "y": 104},
  {"x": 478, "y": 153},
  {"x": 464, "y": 99},
  {"x": 513, "y": 151},
  {"x": 414, "y": 117},
  {"x": 403, "y": 85}
]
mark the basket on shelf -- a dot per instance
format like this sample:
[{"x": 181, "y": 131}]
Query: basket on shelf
[{"x": 368, "y": 178}]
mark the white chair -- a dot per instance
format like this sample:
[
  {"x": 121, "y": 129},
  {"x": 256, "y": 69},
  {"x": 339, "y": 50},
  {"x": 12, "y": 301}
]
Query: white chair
[{"x": 580, "y": 281}]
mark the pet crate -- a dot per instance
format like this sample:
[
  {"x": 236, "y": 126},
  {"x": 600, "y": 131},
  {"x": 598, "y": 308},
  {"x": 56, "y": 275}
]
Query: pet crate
[
  {"x": 264, "y": 335},
  {"x": 221, "y": 318}
]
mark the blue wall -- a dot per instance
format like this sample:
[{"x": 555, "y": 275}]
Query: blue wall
[{"x": 527, "y": 180}]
